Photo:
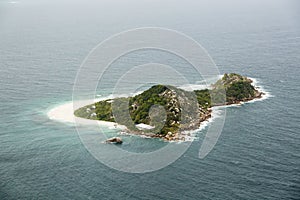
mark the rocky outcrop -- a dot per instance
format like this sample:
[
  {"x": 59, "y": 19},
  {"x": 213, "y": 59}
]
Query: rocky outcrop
[
  {"x": 114, "y": 140},
  {"x": 169, "y": 110}
]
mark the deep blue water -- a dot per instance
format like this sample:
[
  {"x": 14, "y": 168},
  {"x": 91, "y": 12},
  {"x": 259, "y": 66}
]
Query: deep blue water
[{"x": 42, "y": 45}]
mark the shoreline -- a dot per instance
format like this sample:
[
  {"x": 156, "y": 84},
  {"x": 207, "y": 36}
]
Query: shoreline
[{"x": 64, "y": 113}]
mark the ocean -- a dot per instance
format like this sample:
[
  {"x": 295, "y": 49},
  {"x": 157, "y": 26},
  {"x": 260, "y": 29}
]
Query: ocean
[{"x": 42, "y": 46}]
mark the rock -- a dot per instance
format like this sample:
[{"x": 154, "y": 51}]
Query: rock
[
  {"x": 180, "y": 112},
  {"x": 176, "y": 136},
  {"x": 115, "y": 140}
]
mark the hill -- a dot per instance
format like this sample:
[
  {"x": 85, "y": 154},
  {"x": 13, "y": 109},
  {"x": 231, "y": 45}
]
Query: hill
[{"x": 167, "y": 110}]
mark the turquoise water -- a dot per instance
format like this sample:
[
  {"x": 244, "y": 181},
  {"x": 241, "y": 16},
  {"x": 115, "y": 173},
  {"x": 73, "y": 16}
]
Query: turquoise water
[{"x": 41, "y": 48}]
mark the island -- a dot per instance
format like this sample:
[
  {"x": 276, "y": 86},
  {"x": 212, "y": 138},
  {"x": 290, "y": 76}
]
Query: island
[{"x": 168, "y": 112}]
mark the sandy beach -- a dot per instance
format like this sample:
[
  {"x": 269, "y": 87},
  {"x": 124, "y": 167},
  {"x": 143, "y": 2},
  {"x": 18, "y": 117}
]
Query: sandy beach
[{"x": 65, "y": 113}]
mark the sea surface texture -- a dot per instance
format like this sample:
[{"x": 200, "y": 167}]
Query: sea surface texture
[{"x": 42, "y": 45}]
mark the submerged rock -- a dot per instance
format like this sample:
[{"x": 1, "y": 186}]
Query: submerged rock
[{"x": 115, "y": 140}]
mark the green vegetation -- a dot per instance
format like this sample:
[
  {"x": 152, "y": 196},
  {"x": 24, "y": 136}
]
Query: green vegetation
[
  {"x": 161, "y": 106},
  {"x": 140, "y": 104},
  {"x": 203, "y": 98},
  {"x": 238, "y": 88}
]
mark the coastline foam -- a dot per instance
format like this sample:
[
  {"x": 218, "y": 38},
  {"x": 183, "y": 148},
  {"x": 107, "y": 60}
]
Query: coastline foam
[{"x": 65, "y": 112}]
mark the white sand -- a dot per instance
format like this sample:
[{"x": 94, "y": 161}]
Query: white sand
[
  {"x": 144, "y": 126},
  {"x": 65, "y": 113}
]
